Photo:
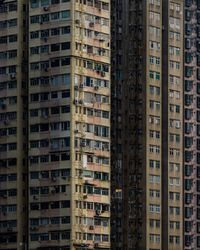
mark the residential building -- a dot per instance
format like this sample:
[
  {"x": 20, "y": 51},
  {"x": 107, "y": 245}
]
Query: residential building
[
  {"x": 13, "y": 125},
  {"x": 62, "y": 118},
  {"x": 192, "y": 127},
  {"x": 147, "y": 125}
]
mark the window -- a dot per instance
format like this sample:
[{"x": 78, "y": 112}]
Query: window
[
  {"x": 154, "y": 105},
  {"x": 35, "y": 19},
  {"x": 44, "y": 33},
  {"x": 55, "y": 47},
  {"x": 65, "y": 94},
  {"x": 65, "y": 61},
  {"x": 65, "y": 30},
  {"x": 44, "y": 49},
  {"x": 65, "y": 14},
  {"x": 55, "y": 16},
  {"x": 154, "y": 149},
  {"x": 174, "y": 22},
  {"x": 44, "y": 236},
  {"x": 154, "y": 45},
  {"x": 154, "y": 193},
  {"x": 65, "y": 220},
  {"x": 65, "y": 109},
  {"x": 65, "y": 46},
  {"x": 155, "y": 238},
  {"x": 154, "y": 16},
  {"x": 154, "y": 164},
  {"x": 12, "y": 23},
  {"x": 154, "y": 31},
  {"x": 154, "y": 75},
  {"x": 34, "y": 34},
  {"x": 154, "y": 208},
  {"x": 55, "y": 236},
  {"x": 34, "y": 237},
  {"x": 154, "y": 178}
]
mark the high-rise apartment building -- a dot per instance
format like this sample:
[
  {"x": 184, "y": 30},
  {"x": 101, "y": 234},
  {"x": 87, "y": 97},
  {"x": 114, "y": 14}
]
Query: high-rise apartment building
[
  {"x": 13, "y": 167},
  {"x": 192, "y": 126},
  {"x": 147, "y": 122},
  {"x": 66, "y": 144}
]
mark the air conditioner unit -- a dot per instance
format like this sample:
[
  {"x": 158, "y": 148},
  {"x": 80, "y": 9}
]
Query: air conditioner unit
[
  {"x": 91, "y": 24},
  {"x": 103, "y": 73},
  {"x": 46, "y": 8},
  {"x": 76, "y": 87},
  {"x": 83, "y": 144},
  {"x": 85, "y": 196},
  {"x": 81, "y": 101},
  {"x": 96, "y": 244},
  {"x": 101, "y": 39},
  {"x": 81, "y": 85},
  {"x": 76, "y": 101},
  {"x": 91, "y": 227},
  {"x": 13, "y": 76},
  {"x": 96, "y": 87},
  {"x": 77, "y": 21},
  {"x": 98, "y": 212},
  {"x": 76, "y": 131},
  {"x": 53, "y": 178}
]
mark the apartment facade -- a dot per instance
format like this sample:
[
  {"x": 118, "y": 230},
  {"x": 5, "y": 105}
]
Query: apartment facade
[
  {"x": 191, "y": 168},
  {"x": 173, "y": 218},
  {"x": 13, "y": 167},
  {"x": 66, "y": 125},
  {"x": 147, "y": 135}
]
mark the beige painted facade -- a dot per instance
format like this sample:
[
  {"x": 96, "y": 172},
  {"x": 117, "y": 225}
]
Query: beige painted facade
[
  {"x": 175, "y": 125},
  {"x": 69, "y": 108},
  {"x": 165, "y": 197},
  {"x": 154, "y": 126},
  {"x": 55, "y": 124},
  {"x": 13, "y": 80},
  {"x": 147, "y": 78}
]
